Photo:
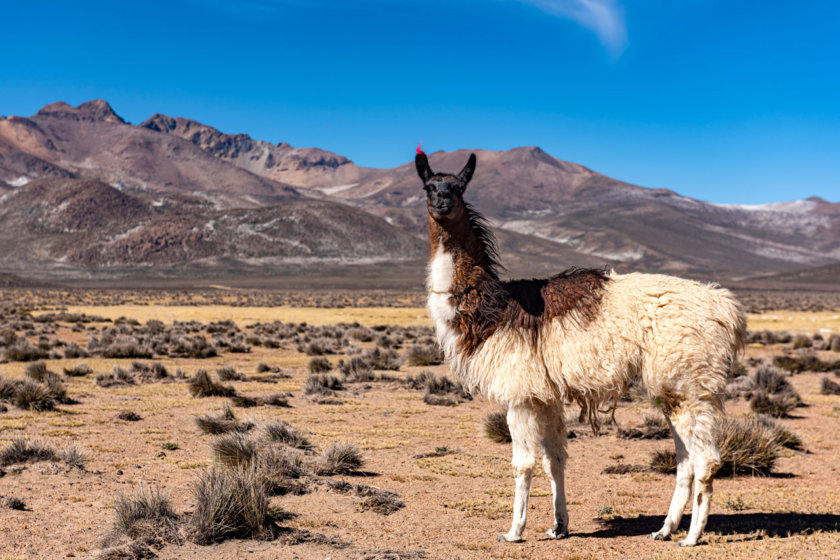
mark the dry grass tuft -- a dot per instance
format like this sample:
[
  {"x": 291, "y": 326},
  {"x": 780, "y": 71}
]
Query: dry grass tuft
[
  {"x": 319, "y": 365},
  {"x": 10, "y": 502},
  {"x": 747, "y": 446},
  {"x": 226, "y": 422},
  {"x": 322, "y": 384},
  {"x": 38, "y": 372},
  {"x": 777, "y": 406},
  {"x": 234, "y": 449},
  {"x": 22, "y": 450},
  {"x": 424, "y": 355},
  {"x": 781, "y": 435},
  {"x": 30, "y": 395},
  {"x": 829, "y": 387},
  {"x": 339, "y": 458},
  {"x": 496, "y": 427},
  {"x": 144, "y": 520},
  {"x": 282, "y": 432},
  {"x": 229, "y": 373},
  {"x": 231, "y": 503},
  {"x": 78, "y": 370},
  {"x": 201, "y": 385},
  {"x": 653, "y": 426},
  {"x": 73, "y": 456},
  {"x": 664, "y": 461}
]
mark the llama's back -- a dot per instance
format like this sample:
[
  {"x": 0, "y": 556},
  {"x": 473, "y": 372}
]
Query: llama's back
[{"x": 678, "y": 335}]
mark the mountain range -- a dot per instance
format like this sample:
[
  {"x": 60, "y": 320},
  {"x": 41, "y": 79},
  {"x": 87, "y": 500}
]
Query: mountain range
[{"x": 85, "y": 194}]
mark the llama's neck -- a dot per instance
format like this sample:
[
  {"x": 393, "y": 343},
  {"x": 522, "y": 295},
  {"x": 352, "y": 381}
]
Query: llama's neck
[
  {"x": 463, "y": 259},
  {"x": 463, "y": 254}
]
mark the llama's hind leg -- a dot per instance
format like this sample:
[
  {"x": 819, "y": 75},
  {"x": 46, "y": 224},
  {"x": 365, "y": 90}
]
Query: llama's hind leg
[
  {"x": 705, "y": 457},
  {"x": 525, "y": 431},
  {"x": 554, "y": 463},
  {"x": 682, "y": 430}
]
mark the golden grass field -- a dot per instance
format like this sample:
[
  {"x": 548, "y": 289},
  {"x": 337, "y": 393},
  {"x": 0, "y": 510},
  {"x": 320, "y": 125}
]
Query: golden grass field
[
  {"x": 775, "y": 320},
  {"x": 455, "y": 504}
]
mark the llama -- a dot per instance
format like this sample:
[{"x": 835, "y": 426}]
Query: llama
[{"x": 578, "y": 337}]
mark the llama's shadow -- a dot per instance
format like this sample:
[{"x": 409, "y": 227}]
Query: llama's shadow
[{"x": 763, "y": 524}]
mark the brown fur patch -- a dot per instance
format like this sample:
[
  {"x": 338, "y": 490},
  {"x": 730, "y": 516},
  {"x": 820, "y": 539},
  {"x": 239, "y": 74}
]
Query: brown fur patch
[{"x": 486, "y": 304}]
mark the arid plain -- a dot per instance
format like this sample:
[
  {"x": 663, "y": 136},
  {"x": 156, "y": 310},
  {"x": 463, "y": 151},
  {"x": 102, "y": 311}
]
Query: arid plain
[{"x": 360, "y": 448}]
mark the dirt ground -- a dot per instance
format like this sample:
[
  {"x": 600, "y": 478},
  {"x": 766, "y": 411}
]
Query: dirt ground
[{"x": 455, "y": 504}]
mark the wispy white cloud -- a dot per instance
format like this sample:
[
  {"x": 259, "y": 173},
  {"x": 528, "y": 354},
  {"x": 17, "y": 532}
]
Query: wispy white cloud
[{"x": 603, "y": 17}]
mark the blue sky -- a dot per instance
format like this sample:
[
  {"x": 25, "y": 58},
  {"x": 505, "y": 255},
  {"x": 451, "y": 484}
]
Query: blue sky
[{"x": 733, "y": 102}]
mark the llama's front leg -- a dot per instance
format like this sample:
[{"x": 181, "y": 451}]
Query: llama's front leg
[
  {"x": 554, "y": 463},
  {"x": 525, "y": 432}
]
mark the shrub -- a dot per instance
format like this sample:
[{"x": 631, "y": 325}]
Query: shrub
[
  {"x": 281, "y": 468},
  {"x": 801, "y": 341},
  {"x": 357, "y": 369},
  {"x": 747, "y": 446},
  {"x": 339, "y": 458},
  {"x": 263, "y": 368},
  {"x": 234, "y": 449},
  {"x": 24, "y": 351},
  {"x": 322, "y": 384},
  {"x": 202, "y": 386},
  {"x": 807, "y": 361},
  {"x": 424, "y": 355},
  {"x": 223, "y": 424},
  {"x": 228, "y": 373},
  {"x": 38, "y": 372},
  {"x": 496, "y": 427},
  {"x": 73, "y": 456},
  {"x": 664, "y": 461},
  {"x": 30, "y": 395},
  {"x": 127, "y": 347},
  {"x": 834, "y": 343},
  {"x": 439, "y": 391},
  {"x": 282, "y": 432},
  {"x": 22, "y": 450},
  {"x": 781, "y": 435},
  {"x": 829, "y": 387},
  {"x": 117, "y": 377},
  {"x": 192, "y": 347},
  {"x": 129, "y": 416},
  {"x": 778, "y": 405},
  {"x": 653, "y": 426},
  {"x": 11, "y": 502},
  {"x": 147, "y": 517},
  {"x": 383, "y": 359},
  {"x": 75, "y": 351},
  {"x": 771, "y": 380},
  {"x": 319, "y": 365},
  {"x": 231, "y": 503},
  {"x": 78, "y": 370}
]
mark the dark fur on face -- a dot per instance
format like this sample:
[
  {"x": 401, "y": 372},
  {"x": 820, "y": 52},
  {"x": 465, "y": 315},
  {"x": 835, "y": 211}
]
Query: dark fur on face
[{"x": 484, "y": 303}]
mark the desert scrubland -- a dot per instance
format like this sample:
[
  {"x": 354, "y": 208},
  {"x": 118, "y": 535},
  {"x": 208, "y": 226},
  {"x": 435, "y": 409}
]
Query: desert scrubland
[{"x": 220, "y": 424}]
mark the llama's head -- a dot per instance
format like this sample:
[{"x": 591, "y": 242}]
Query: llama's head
[{"x": 444, "y": 192}]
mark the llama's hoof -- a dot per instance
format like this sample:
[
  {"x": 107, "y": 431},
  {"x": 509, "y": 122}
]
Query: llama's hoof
[
  {"x": 658, "y": 536},
  {"x": 687, "y": 542},
  {"x": 557, "y": 533},
  {"x": 509, "y": 538}
]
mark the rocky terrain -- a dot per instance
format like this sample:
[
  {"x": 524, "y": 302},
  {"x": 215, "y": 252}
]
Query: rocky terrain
[{"x": 83, "y": 193}]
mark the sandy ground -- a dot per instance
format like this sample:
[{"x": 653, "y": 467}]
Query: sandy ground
[{"x": 455, "y": 505}]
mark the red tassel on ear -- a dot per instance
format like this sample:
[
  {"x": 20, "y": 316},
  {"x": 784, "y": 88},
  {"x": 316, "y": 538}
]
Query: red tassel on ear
[{"x": 419, "y": 151}]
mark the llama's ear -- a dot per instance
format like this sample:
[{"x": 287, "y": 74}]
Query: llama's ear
[
  {"x": 421, "y": 162},
  {"x": 467, "y": 172}
]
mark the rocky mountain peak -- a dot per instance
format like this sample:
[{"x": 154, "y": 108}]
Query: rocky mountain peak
[{"x": 97, "y": 110}]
